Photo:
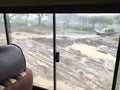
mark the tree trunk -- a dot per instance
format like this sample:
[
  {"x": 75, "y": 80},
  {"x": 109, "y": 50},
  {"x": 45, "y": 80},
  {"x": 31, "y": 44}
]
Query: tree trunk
[
  {"x": 10, "y": 17},
  {"x": 27, "y": 16},
  {"x": 39, "y": 19},
  {"x": 93, "y": 26}
]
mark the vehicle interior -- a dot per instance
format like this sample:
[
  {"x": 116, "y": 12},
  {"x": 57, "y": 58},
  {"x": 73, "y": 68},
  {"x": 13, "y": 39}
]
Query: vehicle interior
[{"x": 53, "y": 45}]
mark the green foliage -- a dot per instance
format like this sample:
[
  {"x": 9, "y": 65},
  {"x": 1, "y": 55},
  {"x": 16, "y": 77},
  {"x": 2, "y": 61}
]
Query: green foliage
[
  {"x": 75, "y": 27},
  {"x": 46, "y": 25},
  {"x": 30, "y": 27},
  {"x": 66, "y": 21},
  {"x": 100, "y": 21},
  {"x": 115, "y": 39},
  {"x": 80, "y": 28},
  {"x": 87, "y": 29},
  {"x": 118, "y": 21}
]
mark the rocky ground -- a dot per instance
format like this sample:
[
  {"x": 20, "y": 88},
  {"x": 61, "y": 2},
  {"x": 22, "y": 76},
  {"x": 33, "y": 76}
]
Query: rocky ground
[{"x": 86, "y": 60}]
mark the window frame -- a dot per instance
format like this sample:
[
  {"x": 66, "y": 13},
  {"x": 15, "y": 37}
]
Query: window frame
[{"x": 99, "y": 8}]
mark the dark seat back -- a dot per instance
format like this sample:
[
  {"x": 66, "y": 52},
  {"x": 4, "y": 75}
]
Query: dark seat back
[{"x": 12, "y": 61}]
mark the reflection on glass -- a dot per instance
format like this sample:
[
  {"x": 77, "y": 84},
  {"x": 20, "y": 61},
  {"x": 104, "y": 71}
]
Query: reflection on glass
[
  {"x": 118, "y": 80},
  {"x": 88, "y": 45},
  {"x": 2, "y": 31},
  {"x": 33, "y": 33}
]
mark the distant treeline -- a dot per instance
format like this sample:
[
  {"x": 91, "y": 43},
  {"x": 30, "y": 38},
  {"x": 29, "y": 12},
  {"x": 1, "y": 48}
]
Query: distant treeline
[{"x": 81, "y": 22}]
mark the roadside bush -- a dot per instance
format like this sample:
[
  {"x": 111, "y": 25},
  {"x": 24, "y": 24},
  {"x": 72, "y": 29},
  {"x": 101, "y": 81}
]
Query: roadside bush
[
  {"x": 80, "y": 28},
  {"x": 115, "y": 39},
  {"x": 87, "y": 29}
]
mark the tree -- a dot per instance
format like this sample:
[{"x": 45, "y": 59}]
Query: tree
[
  {"x": 40, "y": 16},
  {"x": 100, "y": 21},
  {"x": 93, "y": 21},
  {"x": 83, "y": 20},
  {"x": 117, "y": 19},
  {"x": 11, "y": 16},
  {"x": 66, "y": 19},
  {"x": 104, "y": 21},
  {"x": 27, "y": 16}
]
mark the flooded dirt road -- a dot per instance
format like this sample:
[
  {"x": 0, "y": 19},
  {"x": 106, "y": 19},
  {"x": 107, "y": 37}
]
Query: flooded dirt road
[{"x": 86, "y": 61}]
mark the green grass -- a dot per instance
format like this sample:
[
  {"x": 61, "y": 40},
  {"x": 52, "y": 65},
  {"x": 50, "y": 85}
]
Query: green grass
[
  {"x": 47, "y": 25},
  {"x": 73, "y": 27},
  {"x": 115, "y": 39},
  {"x": 80, "y": 28}
]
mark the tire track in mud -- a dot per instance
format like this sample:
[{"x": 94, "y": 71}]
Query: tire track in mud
[
  {"x": 81, "y": 79},
  {"x": 75, "y": 68}
]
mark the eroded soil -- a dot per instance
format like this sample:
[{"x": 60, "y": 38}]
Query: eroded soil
[{"x": 82, "y": 65}]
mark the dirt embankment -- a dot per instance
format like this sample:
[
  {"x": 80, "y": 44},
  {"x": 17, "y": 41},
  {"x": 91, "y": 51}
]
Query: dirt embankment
[{"x": 82, "y": 65}]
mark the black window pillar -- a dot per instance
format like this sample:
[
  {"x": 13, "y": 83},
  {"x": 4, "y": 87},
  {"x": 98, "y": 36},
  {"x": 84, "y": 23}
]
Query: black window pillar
[
  {"x": 115, "y": 77},
  {"x": 7, "y": 27},
  {"x": 54, "y": 49}
]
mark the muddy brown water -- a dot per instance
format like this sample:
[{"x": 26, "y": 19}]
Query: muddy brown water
[{"x": 81, "y": 66}]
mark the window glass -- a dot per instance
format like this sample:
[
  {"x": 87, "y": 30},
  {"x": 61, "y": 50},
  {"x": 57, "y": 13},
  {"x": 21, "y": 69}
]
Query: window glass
[
  {"x": 33, "y": 33},
  {"x": 87, "y": 56},
  {"x": 2, "y": 31}
]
